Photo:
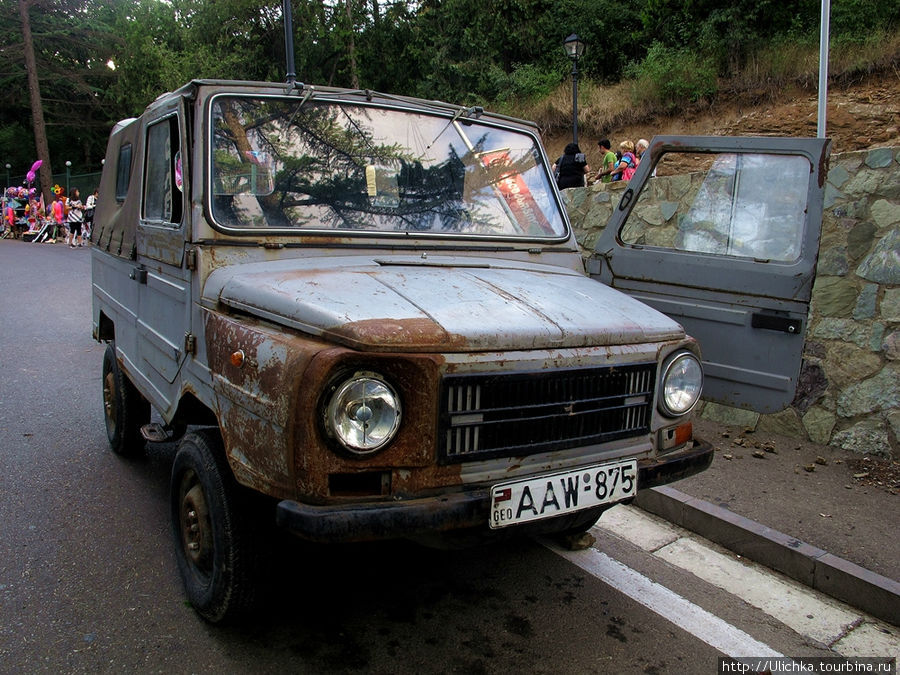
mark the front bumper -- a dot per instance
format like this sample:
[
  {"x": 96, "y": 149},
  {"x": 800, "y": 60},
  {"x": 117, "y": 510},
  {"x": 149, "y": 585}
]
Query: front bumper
[{"x": 461, "y": 510}]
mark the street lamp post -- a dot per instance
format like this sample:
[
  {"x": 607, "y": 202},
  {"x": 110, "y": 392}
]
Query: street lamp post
[
  {"x": 3, "y": 201},
  {"x": 68, "y": 170},
  {"x": 574, "y": 49}
]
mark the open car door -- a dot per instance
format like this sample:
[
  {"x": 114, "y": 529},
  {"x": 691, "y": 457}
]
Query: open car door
[{"x": 722, "y": 235}]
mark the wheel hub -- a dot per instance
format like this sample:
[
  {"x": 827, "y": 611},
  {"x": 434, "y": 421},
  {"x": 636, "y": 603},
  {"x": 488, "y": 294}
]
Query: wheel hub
[
  {"x": 109, "y": 400},
  {"x": 196, "y": 533}
]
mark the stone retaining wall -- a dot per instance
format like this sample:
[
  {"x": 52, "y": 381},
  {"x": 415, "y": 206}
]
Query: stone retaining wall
[{"x": 849, "y": 390}]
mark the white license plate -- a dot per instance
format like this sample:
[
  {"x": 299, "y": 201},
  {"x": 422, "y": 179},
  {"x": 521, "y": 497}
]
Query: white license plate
[{"x": 557, "y": 494}]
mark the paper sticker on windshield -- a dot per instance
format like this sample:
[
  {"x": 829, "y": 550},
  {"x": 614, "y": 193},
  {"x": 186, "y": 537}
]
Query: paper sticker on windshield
[
  {"x": 382, "y": 187},
  {"x": 515, "y": 192}
]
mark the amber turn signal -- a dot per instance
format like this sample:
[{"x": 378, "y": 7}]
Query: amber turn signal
[
  {"x": 673, "y": 437},
  {"x": 237, "y": 358}
]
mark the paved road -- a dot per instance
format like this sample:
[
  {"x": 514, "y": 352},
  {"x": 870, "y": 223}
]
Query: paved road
[{"x": 88, "y": 582}]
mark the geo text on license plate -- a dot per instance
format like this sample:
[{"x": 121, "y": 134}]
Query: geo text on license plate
[{"x": 557, "y": 494}]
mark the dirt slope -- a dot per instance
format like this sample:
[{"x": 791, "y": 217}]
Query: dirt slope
[{"x": 858, "y": 116}]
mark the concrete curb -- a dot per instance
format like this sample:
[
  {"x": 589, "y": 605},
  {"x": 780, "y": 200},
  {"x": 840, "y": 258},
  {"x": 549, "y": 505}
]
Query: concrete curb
[{"x": 839, "y": 578}]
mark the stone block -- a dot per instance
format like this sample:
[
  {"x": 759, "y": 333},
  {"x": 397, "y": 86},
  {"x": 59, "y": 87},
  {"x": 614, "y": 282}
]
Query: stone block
[
  {"x": 848, "y": 364},
  {"x": 819, "y": 423},
  {"x": 890, "y": 305},
  {"x": 891, "y": 346},
  {"x": 786, "y": 423},
  {"x": 865, "y": 303},
  {"x": 834, "y": 296},
  {"x": 868, "y": 437},
  {"x": 833, "y": 262},
  {"x": 879, "y": 158},
  {"x": 885, "y": 213},
  {"x": 860, "y": 240},
  {"x": 876, "y": 393},
  {"x": 727, "y": 415},
  {"x": 838, "y": 175},
  {"x": 882, "y": 265}
]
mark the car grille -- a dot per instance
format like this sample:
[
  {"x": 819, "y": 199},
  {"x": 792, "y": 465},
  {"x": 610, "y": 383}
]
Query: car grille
[{"x": 515, "y": 414}]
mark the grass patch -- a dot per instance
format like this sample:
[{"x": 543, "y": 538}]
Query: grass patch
[{"x": 668, "y": 81}]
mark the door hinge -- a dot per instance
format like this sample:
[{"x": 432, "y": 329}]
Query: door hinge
[
  {"x": 191, "y": 259},
  {"x": 139, "y": 274},
  {"x": 190, "y": 343}
]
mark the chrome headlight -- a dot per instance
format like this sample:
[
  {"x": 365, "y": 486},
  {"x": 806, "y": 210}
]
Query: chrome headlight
[
  {"x": 681, "y": 382},
  {"x": 363, "y": 413}
]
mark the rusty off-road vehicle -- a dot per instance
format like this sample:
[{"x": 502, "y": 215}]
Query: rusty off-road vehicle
[{"x": 365, "y": 316}]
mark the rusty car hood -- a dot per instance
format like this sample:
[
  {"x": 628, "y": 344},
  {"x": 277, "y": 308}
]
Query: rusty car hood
[{"x": 403, "y": 303}]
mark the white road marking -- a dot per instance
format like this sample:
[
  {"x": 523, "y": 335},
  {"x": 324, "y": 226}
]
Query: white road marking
[
  {"x": 703, "y": 625},
  {"x": 846, "y": 630},
  {"x": 794, "y": 605}
]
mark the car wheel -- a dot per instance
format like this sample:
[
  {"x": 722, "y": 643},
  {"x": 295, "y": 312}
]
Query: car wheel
[
  {"x": 214, "y": 542},
  {"x": 125, "y": 410},
  {"x": 580, "y": 521}
]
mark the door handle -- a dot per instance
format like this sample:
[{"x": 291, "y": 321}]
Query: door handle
[{"x": 780, "y": 323}]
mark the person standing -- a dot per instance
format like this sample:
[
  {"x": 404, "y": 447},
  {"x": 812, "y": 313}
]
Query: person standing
[
  {"x": 59, "y": 214},
  {"x": 76, "y": 218},
  {"x": 627, "y": 165},
  {"x": 571, "y": 168},
  {"x": 607, "y": 163},
  {"x": 89, "y": 205}
]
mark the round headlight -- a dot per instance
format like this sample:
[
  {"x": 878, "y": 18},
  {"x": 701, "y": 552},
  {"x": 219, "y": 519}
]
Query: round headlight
[
  {"x": 363, "y": 414},
  {"x": 682, "y": 381}
]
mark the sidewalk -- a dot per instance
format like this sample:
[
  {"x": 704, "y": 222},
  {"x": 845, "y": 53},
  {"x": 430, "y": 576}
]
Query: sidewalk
[{"x": 833, "y": 501}]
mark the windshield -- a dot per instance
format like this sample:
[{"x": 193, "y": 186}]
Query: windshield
[{"x": 288, "y": 163}]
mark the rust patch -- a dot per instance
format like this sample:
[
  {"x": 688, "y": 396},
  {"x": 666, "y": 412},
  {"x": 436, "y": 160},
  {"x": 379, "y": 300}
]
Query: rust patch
[
  {"x": 419, "y": 334},
  {"x": 410, "y": 458},
  {"x": 824, "y": 163},
  {"x": 270, "y": 406},
  {"x": 256, "y": 400}
]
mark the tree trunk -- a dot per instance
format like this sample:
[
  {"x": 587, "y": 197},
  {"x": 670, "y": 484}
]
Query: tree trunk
[
  {"x": 37, "y": 110},
  {"x": 354, "y": 75}
]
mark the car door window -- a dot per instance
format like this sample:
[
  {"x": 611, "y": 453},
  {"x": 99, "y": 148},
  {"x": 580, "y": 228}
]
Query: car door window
[
  {"x": 123, "y": 172},
  {"x": 162, "y": 176},
  {"x": 745, "y": 205}
]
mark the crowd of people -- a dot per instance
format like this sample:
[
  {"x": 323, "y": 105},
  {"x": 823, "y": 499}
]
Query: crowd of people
[
  {"x": 66, "y": 216},
  {"x": 572, "y": 168}
]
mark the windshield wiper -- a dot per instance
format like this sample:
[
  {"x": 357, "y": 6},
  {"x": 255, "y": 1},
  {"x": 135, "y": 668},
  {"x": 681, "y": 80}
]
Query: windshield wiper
[{"x": 471, "y": 111}]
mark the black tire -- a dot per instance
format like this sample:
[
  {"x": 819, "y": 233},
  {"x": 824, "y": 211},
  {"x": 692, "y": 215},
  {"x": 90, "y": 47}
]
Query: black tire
[
  {"x": 215, "y": 547},
  {"x": 580, "y": 521},
  {"x": 125, "y": 410}
]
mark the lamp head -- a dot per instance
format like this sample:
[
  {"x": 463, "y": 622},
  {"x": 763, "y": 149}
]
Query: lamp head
[{"x": 574, "y": 46}]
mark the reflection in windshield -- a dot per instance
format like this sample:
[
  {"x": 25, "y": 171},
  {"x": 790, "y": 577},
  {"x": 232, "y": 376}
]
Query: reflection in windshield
[{"x": 286, "y": 163}]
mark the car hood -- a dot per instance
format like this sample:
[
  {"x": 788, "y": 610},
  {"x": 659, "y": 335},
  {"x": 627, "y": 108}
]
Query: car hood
[{"x": 438, "y": 305}]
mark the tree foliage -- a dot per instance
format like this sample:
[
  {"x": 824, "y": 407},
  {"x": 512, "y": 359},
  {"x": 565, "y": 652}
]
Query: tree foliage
[{"x": 484, "y": 51}]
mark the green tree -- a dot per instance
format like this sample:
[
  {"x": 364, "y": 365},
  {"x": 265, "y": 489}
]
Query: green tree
[{"x": 54, "y": 67}]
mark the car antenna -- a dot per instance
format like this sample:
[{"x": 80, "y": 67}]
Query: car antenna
[{"x": 289, "y": 44}]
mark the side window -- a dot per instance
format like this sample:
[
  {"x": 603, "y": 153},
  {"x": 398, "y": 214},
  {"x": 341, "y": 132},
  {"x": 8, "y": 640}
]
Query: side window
[
  {"x": 743, "y": 205},
  {"x": 162, "y": 173},
  {"x": 123, "y": 172}
]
